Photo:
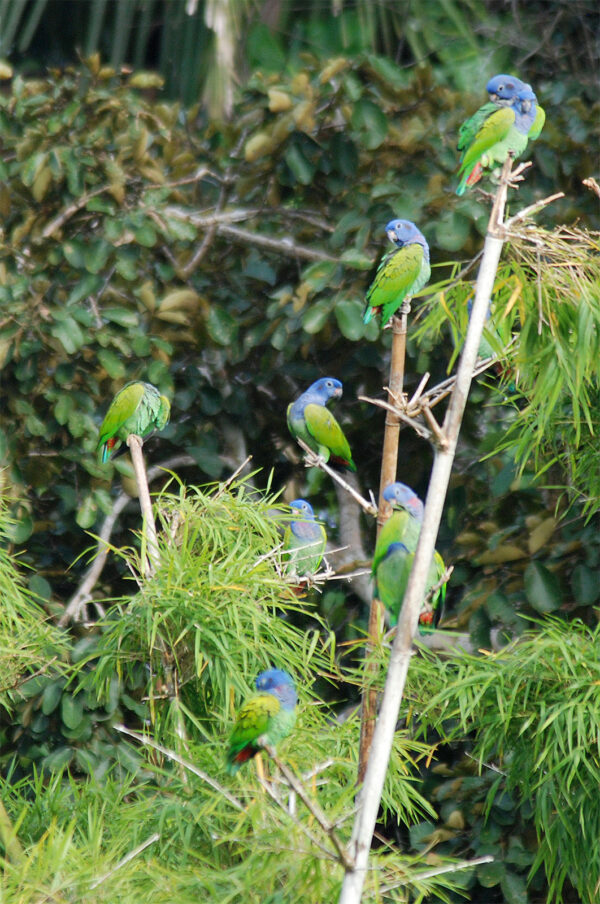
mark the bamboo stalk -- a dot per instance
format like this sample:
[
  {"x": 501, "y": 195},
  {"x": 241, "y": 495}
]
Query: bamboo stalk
[
  {"x": 383, "y": 738},
  {"x": 12, "y": 846},
  {"x": 389, "y": 465},
  {"x": 152, "y": 561}
]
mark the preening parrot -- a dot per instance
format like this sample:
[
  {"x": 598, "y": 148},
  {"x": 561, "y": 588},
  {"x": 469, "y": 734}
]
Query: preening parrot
[
  {"x": 309, "y": 419},
  {"x": 401, "y": 273},
  {"x": 304, "y": 540},
  {"x": 266, "y": 718},
  {"x": 394, "y": 554},
  {"x": 137, "y": 408},
  {"x": 487, "y": 138}
]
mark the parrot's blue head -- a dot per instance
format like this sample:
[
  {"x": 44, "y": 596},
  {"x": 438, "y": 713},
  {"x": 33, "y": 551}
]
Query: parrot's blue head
[
  {"x": 326, "y": 388},
  {"x": 403, "y": 232},
  {"x": 280, "y": 684},
  {"x": 401, "y": 496},
  {"x": 303, "y": 508},
  {"x": 503, "y": 89},
  {"x": 526, "y": 99}
]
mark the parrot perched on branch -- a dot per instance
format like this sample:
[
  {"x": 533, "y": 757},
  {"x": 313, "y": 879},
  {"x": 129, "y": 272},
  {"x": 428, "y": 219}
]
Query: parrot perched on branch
[
  {"x": 499, "y": 128},
  {"x": 266, "y": 718},
  {"x": 137, "y": 408},
  {"x": 401, "y": 273},
  {"x": 394, "y": 554},
  {"x": 308, "y": 419},
  {"x": 304, "y": 540}
]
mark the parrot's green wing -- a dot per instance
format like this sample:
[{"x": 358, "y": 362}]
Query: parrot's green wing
[
  {"x": 163, "y": 414},
  {"x": 469, "y": 129},
  {"x": 401, "y": 527},
  {"x": 491, "y": 144},
  {"x": 493, "y": 130},
  {"x": 305, "y": 554},
  {"x": 253, "y": 721},
  {"x": 122, "y": 408},
  {"x": 538, "y": 124},
  {"x": 436, "y": 571},
  {"x": 397, "y": 276},
  {"x": 327, "y": 434},
  {"x": 392, "y": 579}
]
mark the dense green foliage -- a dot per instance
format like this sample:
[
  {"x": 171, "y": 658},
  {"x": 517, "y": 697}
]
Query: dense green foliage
[
  {"x": 534, "y": 712},
  {"x": 179, "y": 656},
  {"x": 226, "y": 262}
]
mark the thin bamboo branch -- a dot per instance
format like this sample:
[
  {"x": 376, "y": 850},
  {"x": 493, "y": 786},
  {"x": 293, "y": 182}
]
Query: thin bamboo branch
[
  {"x": 315, "y": 461},
  {"x": 268, "y": 787},
  {"x": 417, "y": 427},
  {"x": 150, "y": 564},
  {"x": 437, "y": 871},
  {"x": 126, "y": 859},
  {"x": 9, "y": 839},
  {"x": 312, "y": 806},
  {"x": 389, "y": 465},
  {"x": 370, "y": 794},
  {"x": 171, "y": 755}
]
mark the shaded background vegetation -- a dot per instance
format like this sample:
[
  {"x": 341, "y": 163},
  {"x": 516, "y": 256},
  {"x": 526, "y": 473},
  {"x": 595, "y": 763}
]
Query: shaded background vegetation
[{"x": 148, "y": 234}]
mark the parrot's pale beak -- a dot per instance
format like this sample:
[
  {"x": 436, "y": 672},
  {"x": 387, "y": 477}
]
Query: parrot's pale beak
[
  {"x": 392, "y": 235},
  {"x": 337, "y": 393},
  {"x": 493, "y": 98}
]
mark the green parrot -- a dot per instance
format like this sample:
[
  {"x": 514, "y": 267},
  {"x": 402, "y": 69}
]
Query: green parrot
[
  {"x": 497, "y": 129},
  {"x": 401, "y": 273},
  {"x": 308, "y": 419},
  {"x": 304, "y": 540},
  {"x": 266, "y": 718},
  {"x": 394, "y": 555},
  {"x": 137, "y": 408}
]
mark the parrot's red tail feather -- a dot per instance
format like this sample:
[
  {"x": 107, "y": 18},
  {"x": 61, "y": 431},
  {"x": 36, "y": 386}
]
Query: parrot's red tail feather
[
  {"x": 475, "y": 175},
  {"x": 246, "y": 753}
]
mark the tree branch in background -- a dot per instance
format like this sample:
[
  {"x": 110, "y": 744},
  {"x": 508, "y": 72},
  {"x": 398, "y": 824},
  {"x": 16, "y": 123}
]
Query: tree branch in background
[{"x": 83, "y": 594}]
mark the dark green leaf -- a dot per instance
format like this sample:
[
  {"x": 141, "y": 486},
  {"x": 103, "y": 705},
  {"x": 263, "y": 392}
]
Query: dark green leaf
[{"x": 542, "y": 588}]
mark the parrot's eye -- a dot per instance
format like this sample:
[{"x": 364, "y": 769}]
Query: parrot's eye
[{"x": 500, "y": 87}]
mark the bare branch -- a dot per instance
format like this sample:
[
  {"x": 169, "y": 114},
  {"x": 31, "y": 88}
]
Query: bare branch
[
  {"x": 370, "y": 794},
  {"x": 315, "y": 461},
  {"x": 437, "y": 871},
  {"x": 126, "y": 859},
  {"x": 269, "y": 788},
  {"x": 312, "y": 806},
  {"x": 171, "y": 755},
  {"x": 592, "y": 185}
]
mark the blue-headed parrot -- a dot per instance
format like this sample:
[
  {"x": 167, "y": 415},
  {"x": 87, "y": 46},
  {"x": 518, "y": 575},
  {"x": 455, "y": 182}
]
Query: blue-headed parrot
[
  {"x": 497, "y": 129},
  {"x": 304, "y": 540},
  {"x": 309, "y": 419},
  {"x": 266, "y": 718},
  {"x": 401, "y": 273},
  {"x": 394, "y": 554}
]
